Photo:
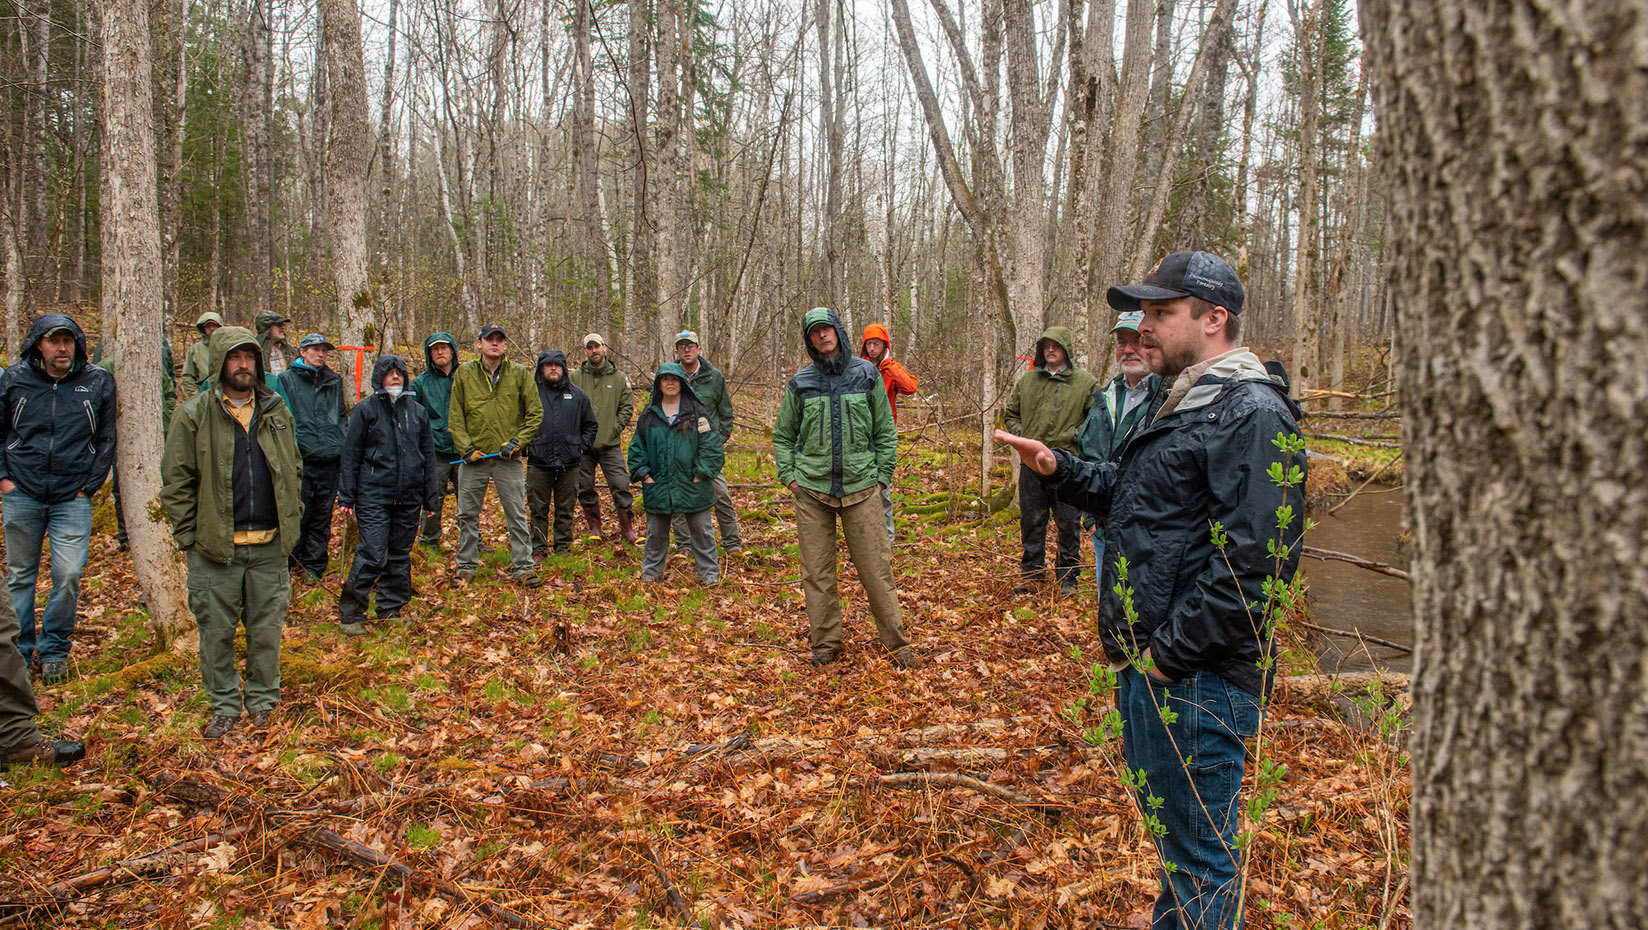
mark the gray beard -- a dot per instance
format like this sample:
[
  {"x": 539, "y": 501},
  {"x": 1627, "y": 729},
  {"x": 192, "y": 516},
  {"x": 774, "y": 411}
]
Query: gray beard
[{"x": 833, "y": 364}]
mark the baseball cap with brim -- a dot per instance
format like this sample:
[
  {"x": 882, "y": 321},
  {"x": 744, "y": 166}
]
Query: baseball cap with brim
[
  {"x": 686, "y": 335},
  {"x": 490, "y": 330},
  {"x": 594, "y": 339},
  {"x": 1129, "y": 320},
  {"x": 56, "y": 329},
  {"x": 1184, "y": 274},
  {"x": 315, "y": 339}
]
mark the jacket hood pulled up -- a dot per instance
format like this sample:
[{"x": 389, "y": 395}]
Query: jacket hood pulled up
[
  {"x": 429, "y": 343},
  {"x": 210, "y": 316},
  {"x": 656, "y": 398},
  {"x": 1060, "y": 335},
  {"x": 551, "y": 357},
  {"x": 834, "y": 364},
  {"x": 875, "y": 331},
  {"x": 45, "y": 324},
  {"x": 226, "y": 340},
  {"x": 385, "y": 364}
]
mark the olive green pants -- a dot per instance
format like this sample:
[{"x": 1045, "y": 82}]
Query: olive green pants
[
  {"x": 256, "y": 580},
  {"x": 17, "y": 707},
  {"x": 865, "y": 529}
]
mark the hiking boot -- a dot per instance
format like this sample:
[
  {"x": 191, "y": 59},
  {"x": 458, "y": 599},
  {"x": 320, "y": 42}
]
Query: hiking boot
[
  {"x": 735, "y": 553},
  {"x": 47, "y": 752},
  {"x": 219, "y": 726},
  {"x": 352, "y": 628},
  {"x": 465, "y": 576},
  {"x": 529, "y": 579},
  {"x": 592, "y": 520},
  {"x": 391, "y": 614},
  {"x": 823, "y": 657},
  {"x": 54, "y": 671},
  {"x": 626, "y": 526},
  {"x": 260, "y": 719},
  {"x": 907, "y": 658},
  {"x": 1067, "y": 589}
]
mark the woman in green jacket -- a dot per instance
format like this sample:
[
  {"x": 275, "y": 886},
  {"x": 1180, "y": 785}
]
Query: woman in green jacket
[{"x": 674, "y": 458}]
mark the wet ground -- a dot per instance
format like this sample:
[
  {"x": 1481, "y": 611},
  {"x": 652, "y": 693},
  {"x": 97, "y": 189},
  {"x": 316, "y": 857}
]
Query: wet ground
[{"x": 1347, "y": 597}]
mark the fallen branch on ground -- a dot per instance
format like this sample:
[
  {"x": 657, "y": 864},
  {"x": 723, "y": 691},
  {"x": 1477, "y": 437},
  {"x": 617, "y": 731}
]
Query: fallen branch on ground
[
  {"x": 1328, "y": 555},
  {"x": 958, "y": 780},
  {"x": 1354, "y": 634}
]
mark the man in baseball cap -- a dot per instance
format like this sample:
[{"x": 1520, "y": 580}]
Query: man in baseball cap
[
  {"x": 1201, "y": 457},
  {"x": 320, "y": 416},
  {"x": 614, "y": 405}
]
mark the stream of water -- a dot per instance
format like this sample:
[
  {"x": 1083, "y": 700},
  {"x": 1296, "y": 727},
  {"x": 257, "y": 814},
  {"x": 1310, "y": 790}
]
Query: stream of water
[{"x": 1345, "y": 597}]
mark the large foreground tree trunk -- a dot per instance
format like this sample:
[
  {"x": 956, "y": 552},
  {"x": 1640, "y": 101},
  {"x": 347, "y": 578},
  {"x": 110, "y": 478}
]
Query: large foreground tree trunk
[
  {"x": 1512, "y": 146},
  {"x": 132, "y": 298}
]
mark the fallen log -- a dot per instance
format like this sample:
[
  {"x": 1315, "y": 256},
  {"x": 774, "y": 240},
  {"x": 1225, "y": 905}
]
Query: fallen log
[
  {"x": 958, "y": 780},
  {"x": 1354, "y": 634},
  {"x": 1328, "y": 555}
]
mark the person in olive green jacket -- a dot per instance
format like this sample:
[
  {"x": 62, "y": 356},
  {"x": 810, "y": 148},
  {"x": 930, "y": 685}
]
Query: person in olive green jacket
[
  {"x": 610, "y": 398},
  {"x": 197, "y": 372},
  {"x": 675, "y": 454},
  {"x": 433, "y": 389},
  {"x": 230, "y": 480},
  {"x": 1049, "y": 405},
  {"x": 493, "y": 415},
  {"x": 835, "y": 445},
  {"x": 710, "y": 387}
]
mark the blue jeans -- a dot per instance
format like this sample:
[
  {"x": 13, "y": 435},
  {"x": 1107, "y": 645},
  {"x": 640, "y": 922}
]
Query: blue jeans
[
  {"x": 1200, "y": 799},
  {"x": 68, "y": 526}
]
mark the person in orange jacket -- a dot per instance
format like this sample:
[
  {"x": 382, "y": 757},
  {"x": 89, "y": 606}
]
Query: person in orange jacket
[{"x": 877, "y": 347}]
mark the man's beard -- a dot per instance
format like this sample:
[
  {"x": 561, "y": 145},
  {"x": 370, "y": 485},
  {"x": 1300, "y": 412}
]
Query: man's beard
[
  {"x": 239, "y": 380},
  {"x": 834, "y": 364}
]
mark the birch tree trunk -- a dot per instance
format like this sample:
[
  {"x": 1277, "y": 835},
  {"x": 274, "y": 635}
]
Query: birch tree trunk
[
  {"x": 1511, "y": 149},
  {"x": 38, "y": 184},
  {"x": 132, "y": 296},
  {"x": 348, "y": 151}
]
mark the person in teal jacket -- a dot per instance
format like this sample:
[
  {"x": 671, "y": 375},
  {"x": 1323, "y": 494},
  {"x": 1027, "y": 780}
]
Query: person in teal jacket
[
  {"x": 433, "y": 389},
  {"x": 835, "y": 445},
  {"x": 674, "y": 457},
  {"x": 1117, "y": 412}
]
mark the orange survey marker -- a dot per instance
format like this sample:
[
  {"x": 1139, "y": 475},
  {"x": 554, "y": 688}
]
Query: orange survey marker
[{"x": 360, "y": 363}]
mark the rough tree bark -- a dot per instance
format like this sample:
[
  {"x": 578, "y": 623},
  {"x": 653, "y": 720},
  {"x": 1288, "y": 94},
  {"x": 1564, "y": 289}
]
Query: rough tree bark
[
  {"x": 1512, "y": 153},
  {"x": 641, "y": 310},
  {"x": 132, "y": 297},
  {"x": 1307, "y": 43},
  {"x": 256, "y": 103},
  {"x": 348, "y": 152},
  {"x": 586, "y": 168},
  {"x": 1113, "y": 227}
]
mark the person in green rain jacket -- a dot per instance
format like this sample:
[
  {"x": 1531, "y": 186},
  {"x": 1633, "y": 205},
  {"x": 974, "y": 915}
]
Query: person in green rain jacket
[{"x": 674, "y": 457}]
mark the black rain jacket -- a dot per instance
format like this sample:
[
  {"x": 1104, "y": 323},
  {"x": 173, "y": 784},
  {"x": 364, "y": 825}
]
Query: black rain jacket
[
  {"x": 389, "y": 451},
  {"x": 1205, "y": 462},
  {"x": 56, "y": 435},
  {"x": 569, "y": 425}
]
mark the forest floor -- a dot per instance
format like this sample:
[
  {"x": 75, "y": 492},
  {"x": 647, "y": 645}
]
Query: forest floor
[{"x": 603, "y": 753}]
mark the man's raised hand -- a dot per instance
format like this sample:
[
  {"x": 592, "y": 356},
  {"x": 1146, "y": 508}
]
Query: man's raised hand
[{"x": 1034, "y": 453}]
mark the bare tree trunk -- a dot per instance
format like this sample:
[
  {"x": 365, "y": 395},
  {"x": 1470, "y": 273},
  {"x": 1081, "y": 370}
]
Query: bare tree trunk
[
  {"x": 1306, "y": 316},
  {"x": 672, "y": 279},
  {"x": 1189, "y": 232},
  {"x": 586, "y": 168},
  {"x": 132, "y": 296},
  {"x": 1161, "y": 86},
  {"x": 38, "y": 186},
  {"x": 641, "y": 315},
  {"x": 1029, "y": 152},
  {"x": 386, "y": 162},
  {"x": 830, "y": 124},
  {"x": 257, "y": 159},
  {"x": 1521, "y": 257},
  {"x": 171, "y": 176},
  {"x": 1114, "y": 222},
  {"x": 348, "y": 150}
]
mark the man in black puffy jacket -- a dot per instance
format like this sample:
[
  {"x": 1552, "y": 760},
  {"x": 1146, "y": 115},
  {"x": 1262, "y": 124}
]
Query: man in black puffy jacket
[
  {"x": 388, "y": 482},
  {"x": 56, "y": 448},
  {"x": 569, "y": 427},
  {"x": 1199, "y": 532}
]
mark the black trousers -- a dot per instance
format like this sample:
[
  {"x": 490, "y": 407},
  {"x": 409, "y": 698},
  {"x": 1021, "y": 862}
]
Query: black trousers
[
  {"x": 1035, "y": 503},
  {"x": 548, "y": 488},
  {"x": 383, "y": 558},
  {"x": 319, "y": 493}
]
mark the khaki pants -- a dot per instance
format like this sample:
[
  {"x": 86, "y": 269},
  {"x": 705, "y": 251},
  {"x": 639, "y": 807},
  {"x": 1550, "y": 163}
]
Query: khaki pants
[
  {"x": 253, "y": 589},
  {"x": 865, "y": 530},
  {"x": 17, "y": 707}
]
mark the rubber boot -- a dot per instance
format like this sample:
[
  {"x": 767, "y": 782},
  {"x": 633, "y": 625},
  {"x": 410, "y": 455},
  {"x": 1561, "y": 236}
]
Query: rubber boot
[
  {"x": 592, "y": 518},
  {"x": 626, "y": 526}
]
